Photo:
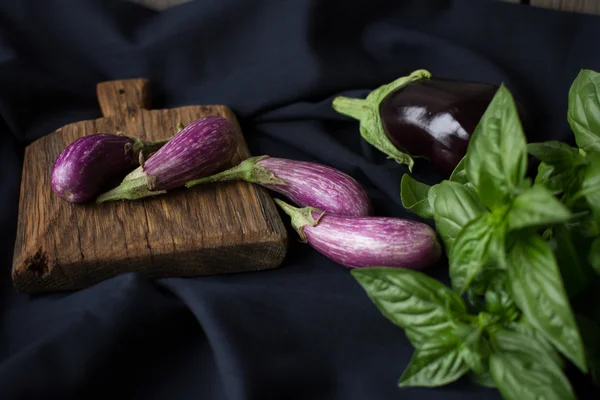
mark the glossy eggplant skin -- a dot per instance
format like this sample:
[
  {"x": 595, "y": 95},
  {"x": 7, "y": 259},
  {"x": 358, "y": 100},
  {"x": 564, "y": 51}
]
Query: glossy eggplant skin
[
  {"x": 435, "y": 118},
  {"x": 91, "y": 164},
  {"x": 305, "y": 183},
  {"x": 366, "y": 241},
  {"x": 358, "y": 242},
  {"x": 320, "y": 186},
  {"x": 200, "y": 149}
]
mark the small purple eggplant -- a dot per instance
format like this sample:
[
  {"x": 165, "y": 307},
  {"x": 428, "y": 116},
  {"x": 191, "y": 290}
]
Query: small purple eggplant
[
  {"x": 307, "y": 184},
  {"x": 200, "y": 149},
  {"x": 358, "y": 242},
  {"x": 94, "y": 163}
]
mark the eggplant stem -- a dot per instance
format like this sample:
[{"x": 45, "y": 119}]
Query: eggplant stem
[
  {"x": 354, "y": 108},
  {"x": 148, "y": 147},
  {"x": 248, "y": 170},
  {"x": 367, "y": 112},
  {"x": 377, "y": 95},
  {"x": 133, "y": 187},
  {"x": 300, "y": 217}
]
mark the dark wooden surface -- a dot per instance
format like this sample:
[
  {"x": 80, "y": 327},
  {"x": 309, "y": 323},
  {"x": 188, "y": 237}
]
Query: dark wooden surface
[{"x": 218, "y": 228}]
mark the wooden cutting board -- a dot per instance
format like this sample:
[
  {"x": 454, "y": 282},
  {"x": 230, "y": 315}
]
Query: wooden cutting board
[{"x": 208, "y": 229}]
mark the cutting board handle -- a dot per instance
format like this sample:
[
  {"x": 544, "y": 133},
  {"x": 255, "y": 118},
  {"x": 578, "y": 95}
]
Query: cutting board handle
[{"x": 123, "y": 98}]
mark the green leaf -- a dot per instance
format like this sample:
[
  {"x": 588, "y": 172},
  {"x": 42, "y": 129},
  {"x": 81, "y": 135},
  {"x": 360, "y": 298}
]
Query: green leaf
[
  {"x": 420, "y": 305},
  {"x": 522, "y": 371},
  {"x": 556, "y": 154},
  {"x": 436, "y": 363},
  {"x": 523, "y": 326},
  {"x": 551, "y": 178},
  {"x": 497, "y": 152},
  {"x": 473, "y": 346},
  {"x": 498, "y": 299},
  {"x": 594, "y": 255},
  {"x": 536, "y": 207},
  {"x": 584, "y": 110},
  {"x": 538, "y": 290},
  {"x": 454, "y": 206},
  {"x": 474, "y": 245},
  {"x": 414, "y": 196},
  {"x": 590, "y": 187},
  {"x": 459, "y": 175}
]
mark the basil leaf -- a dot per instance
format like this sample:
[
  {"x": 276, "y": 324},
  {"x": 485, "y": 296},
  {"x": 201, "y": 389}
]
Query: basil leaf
[
  {"x": 522, "y": 371},
  {"x": 497, "y": 152},
  {"x": 414, "y": 196},
  {"x": 570, "y": 248},
  {"x": 551, "y": 178},
  {"x": 523, "y": 326},
  {"x": 536, "y": 207},
  {"x": 594, "y": 255},
  {"x": 556, "y": 154},
  {"x": 474, "y": 244},
  {"x": 591, "y": 188},
  {"x": 459, "y": 175},
  {"x": 499, "y": 301},
  {"x": 483, "y": 280},
  {"x": 584, "y": 110},
  {"x": 454, "y": 205},
  {"x": 538, "y": 290},
  {"x": 473, "y": 346},
  {"x": 420, "y": 305},
  {"x": 436, "y": 363}
]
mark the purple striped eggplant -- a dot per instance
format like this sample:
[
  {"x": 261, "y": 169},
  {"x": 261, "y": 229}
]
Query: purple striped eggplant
[
  {"x": 96, "y": 162},
  {"x": 357, "y": 242},
  {"x": 307, "y": 184},
  {"x": 202, "y": 148}
]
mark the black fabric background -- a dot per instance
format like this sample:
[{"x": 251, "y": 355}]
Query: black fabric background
[{"x": 305, "y": 330}]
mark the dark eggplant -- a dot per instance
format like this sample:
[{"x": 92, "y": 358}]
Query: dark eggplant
[
  {"x": 94, "y": 162},
  {"x": 421, "y": 116},
  {"x": 202, "y": 148}
]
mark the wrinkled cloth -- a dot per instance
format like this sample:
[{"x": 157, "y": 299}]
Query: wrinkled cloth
[{"x": 305, "y": 330}]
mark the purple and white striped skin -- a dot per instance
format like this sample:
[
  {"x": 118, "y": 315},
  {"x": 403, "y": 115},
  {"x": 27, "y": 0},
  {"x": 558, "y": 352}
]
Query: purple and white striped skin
[
  {"x": 307, "y": 184},
  {"x": 91, "y": 164},
  {"x": 358, "y": 242},
  {"x": 310, "y": 184},
  {"x": 202, "y": 148}
]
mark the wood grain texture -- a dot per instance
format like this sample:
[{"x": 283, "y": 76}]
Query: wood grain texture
[
  {"x": 581, "y": 6},
  {"x": 209, "y": 229}
]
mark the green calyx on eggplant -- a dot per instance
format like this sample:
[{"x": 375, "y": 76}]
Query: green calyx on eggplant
[{"x": 420, "y": 116}]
